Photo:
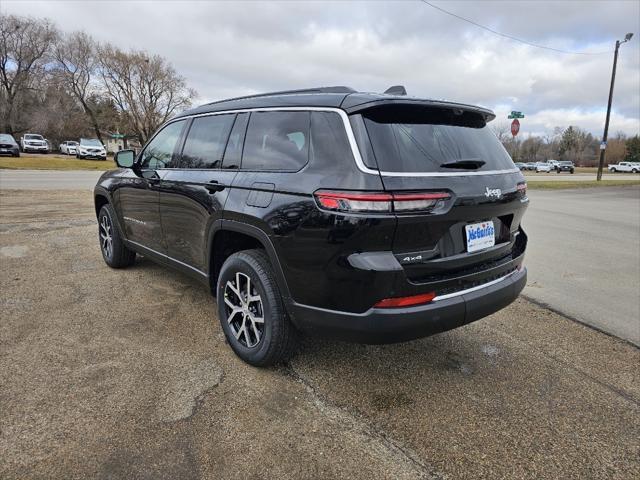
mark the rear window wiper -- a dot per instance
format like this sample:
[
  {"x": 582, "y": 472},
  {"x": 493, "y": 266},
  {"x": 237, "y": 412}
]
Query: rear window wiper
[{"x": 469, "y": 164}]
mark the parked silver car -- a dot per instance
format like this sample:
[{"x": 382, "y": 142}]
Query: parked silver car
[{"x": 33, "y": 142}]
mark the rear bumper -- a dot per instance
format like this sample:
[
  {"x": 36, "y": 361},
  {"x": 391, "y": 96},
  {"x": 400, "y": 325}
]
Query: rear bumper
[{"x": 378, "y": 325}]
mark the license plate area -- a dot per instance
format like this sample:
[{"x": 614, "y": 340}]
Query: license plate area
[{"x": 480, "y": 236}]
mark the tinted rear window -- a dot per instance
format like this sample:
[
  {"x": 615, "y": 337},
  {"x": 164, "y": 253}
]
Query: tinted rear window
[
  {"x": 277, "y": 141},
  {"x": 418, "y": 139},
  {"x": 329, "y": 143}
]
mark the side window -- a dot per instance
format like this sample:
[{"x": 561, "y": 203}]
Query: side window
[
  {"x": 206, "y": 141},
  {"x": 329, "y": 142},
  {"x": 233, "y": 154},
  {"x": 277, "y": 141},
  {"x": 159, "y": 152}
]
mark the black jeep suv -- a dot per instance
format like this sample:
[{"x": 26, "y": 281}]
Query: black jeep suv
[{"x": 372, "y": 218}]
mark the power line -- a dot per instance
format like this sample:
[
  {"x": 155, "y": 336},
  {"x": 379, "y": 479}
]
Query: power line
[{"x": 510, "y": 37}]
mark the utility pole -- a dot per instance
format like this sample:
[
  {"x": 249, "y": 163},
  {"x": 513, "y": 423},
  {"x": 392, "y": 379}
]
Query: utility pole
[{"x": 603, "y": 145}]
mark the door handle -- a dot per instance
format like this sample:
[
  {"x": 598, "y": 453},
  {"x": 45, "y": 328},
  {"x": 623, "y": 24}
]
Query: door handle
[{"x": 214, "y": 186}]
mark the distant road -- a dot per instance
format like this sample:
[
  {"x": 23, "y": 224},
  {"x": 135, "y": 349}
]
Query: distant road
[
  {"x": 86, "y": 179},
  {"x": 584, "y": 255},
  {"x": 580, "y": 177},
  {"x": 49, "y": 179}
]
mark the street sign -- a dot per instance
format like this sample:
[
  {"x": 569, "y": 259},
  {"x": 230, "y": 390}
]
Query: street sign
[
  {"x": 515, "y": 114},
  {"x": 515, "y": 127},
  {"x": 603, "y": 145}
]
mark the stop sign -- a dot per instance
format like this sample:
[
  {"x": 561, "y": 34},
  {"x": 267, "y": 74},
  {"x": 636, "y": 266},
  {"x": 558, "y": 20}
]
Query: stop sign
[{"x": 515, "y": 127}]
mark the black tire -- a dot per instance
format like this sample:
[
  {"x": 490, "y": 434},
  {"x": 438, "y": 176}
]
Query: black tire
[
  {"x": 118, "y": 255},
  {"x": 613, "y": 170},
  {"x": 634, "y": 170},
  {"x": 278, "y": 338},
  {"x": 17, "y": 154}
]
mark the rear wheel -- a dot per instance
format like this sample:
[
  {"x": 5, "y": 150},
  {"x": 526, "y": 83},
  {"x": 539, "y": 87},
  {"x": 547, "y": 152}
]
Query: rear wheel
[
  {"x": 251, "y": 310},
  {"x": 114, "y": 251},
  {"x": 634, "y": 171}
]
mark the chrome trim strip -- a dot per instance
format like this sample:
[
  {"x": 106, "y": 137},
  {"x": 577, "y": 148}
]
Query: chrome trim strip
[
  {"x": 448, "y": 174},
  {"x": 352, "y": 142},
  {"x": 169, "y": 258},
  {"x": 473, "y": 289}
]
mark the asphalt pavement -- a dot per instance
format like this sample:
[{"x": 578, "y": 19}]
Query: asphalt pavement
[
  {"x": 49, "y": 179},
  {"x": 125, "y": 374},
  {"x": 583, "y": 255}
]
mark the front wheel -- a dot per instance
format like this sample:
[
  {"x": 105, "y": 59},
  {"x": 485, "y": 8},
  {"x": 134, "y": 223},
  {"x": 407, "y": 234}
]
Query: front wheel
[
  {"x": 613, "y": 170},
  {"x": 251, "y": 310},
  {"x": 114, "y": 251}
]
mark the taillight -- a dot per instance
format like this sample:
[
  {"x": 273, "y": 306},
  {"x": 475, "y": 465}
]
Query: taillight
[
  {"x": 406, "y": 301},
  {"x": 379, "y": 202}
]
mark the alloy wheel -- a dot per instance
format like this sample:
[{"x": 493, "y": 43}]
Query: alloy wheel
[
  {"x": 245, "y": 313},
  {"x": 106, "y": 236}
]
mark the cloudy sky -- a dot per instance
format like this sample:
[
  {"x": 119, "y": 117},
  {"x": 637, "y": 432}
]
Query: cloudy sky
[{"x": 229, "y": 48}]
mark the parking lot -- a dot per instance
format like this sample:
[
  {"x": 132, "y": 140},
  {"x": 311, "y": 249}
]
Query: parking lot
[{"x": 125, "y": 374}]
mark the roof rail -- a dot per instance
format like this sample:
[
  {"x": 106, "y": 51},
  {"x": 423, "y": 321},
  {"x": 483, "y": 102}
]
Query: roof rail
[{"x": 334, "y": 89}]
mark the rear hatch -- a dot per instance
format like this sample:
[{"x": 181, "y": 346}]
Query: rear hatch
[{"x": 473, "y": 235}]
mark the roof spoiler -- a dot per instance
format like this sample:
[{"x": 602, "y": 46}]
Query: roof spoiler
[{"x": 396, "y": 90}]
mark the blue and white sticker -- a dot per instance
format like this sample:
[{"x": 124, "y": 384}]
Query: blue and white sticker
[{"x": 480, "y": 236}]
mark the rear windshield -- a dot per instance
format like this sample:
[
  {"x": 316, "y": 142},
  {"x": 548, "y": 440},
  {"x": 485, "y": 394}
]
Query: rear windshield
[{"x": 419, "y": 139}]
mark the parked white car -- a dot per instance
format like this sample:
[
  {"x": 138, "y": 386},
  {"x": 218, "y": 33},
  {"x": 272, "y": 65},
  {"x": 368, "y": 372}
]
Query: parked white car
[
  {"x": 69, "y": 147},
  {"x": 32, "y": 142},
  {"x": 632, "y": 167},
  {"x": 91, "y": 148},
  {"x": 543, "y": 167},
  {"x": 553, "y": 163}
]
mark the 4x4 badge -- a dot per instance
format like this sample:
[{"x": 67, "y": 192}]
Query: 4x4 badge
[{"x": 493, "y": 192}]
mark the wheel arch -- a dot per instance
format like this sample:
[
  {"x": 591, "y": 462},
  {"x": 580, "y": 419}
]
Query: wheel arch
[
  {"x": 227, "y": 237},
  {"x": 100, "y": 200}
]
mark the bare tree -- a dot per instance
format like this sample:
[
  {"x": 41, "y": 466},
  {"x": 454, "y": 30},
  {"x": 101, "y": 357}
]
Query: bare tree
[
  {"x": 77, "y": 60},
  {"x": 146, "y": 89},
  {"x": 531, "y": 147},
  {"x": 25, "y": 47},
  {"x": 502, "y": 130}
]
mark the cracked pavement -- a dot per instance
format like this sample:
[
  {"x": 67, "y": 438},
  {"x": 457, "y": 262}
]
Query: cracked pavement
[{"x": 125, "y": 374}]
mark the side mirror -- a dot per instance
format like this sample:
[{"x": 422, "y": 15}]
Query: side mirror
[{"x": 125, "y": 158}]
